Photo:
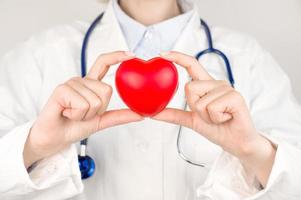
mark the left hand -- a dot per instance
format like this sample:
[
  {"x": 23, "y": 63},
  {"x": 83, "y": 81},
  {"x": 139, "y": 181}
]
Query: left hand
[{"x": 219, "y": 113}]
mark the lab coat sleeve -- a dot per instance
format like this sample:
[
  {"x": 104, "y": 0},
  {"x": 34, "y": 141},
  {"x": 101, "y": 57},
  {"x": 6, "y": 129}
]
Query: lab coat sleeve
[
  {"x": 277, "y": 116},
  {"x": 20, "y": 85}
]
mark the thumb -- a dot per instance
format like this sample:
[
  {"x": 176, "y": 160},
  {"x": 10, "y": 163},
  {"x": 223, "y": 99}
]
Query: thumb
[
  {"x": 175, "y": 116},
  {"x": 118, "y": 117},
  {"x": 83, "y": 129}
]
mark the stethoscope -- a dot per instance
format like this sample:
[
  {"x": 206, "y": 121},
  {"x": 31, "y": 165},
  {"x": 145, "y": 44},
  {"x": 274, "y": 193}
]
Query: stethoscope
[{"x": 86, "y": 163}]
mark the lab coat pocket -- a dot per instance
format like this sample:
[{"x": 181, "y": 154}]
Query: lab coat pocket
[{"x": 197, "y": 148}]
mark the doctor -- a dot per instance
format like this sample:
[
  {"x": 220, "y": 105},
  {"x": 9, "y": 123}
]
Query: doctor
[{"x": 248, "y": 137}]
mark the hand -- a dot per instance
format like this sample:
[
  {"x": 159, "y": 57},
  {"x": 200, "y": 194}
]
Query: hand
[
  {"x": 75, "y": 110},
  {"x": 219, "y": 113}
]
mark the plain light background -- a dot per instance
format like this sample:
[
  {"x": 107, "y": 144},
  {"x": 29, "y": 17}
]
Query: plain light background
[{"x": 275, "y": 23}]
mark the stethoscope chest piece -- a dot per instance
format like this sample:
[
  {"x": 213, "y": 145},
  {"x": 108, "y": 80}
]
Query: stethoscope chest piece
[{"x": 86, "y": 166}]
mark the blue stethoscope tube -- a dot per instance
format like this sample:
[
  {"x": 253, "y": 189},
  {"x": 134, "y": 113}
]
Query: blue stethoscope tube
[{"x": 86, "y": 163}]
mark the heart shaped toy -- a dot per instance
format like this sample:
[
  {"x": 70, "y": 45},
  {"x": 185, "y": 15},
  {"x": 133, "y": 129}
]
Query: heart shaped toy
[{"x": 146, "y": 87}]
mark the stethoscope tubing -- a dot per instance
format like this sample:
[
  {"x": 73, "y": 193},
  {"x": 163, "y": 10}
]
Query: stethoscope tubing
[{"x": 209, "y": 50}]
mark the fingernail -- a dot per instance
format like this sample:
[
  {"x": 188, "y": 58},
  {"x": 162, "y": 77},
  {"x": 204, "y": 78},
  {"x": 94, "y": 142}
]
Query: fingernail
[
  {"x": 129, "y": 53},
  {"x": 166, "y": 53}
]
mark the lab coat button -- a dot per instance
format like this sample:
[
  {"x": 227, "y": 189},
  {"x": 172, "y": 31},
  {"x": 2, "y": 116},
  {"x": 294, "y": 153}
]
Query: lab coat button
[
  {"x": 143, "y": 146},
  {"x": 149, "y": 33}
]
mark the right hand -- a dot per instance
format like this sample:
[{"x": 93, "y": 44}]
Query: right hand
[{"x": 75, "y": 110}]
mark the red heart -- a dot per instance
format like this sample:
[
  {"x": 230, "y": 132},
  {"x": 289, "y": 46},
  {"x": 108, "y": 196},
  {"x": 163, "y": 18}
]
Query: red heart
[{"x": 146, "y": 87}]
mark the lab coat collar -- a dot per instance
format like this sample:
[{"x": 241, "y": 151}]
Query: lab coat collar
[
  {"x": 169, "y": 29},
  {"x": 108, "y": 37}
]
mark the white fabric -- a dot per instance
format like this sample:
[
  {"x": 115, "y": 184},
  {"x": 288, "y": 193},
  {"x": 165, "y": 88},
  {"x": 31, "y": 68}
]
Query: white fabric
[
  {"x": 139, "y": 160},
  {"x": 148, "y": 41}
]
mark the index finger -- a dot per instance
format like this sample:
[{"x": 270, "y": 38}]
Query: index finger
[
  {"x": 104, "y": 61},
  {"x": 193, "y": 67}
]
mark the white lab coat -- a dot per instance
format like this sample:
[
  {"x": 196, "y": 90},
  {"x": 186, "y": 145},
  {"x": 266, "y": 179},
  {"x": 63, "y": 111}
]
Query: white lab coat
[{"x": 139, "y": 160}]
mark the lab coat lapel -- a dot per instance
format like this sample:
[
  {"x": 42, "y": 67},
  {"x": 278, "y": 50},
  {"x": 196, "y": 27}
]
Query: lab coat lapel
[
  {"x": 107, "y": 37},
  {"x": 191, "y": 41}
]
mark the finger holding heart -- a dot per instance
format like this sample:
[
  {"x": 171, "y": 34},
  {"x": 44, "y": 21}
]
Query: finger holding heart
[
  {"x": 94, "y": 82},
  {"x": 97, "y": 95},
  {"x": 193, "y": 67},
  {"x": 201, "y": 94},
  {"x": 75, "y": 110},
  {"x": 218, "y": 112}
]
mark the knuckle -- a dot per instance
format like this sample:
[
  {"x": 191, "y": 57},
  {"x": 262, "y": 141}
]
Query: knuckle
[
  {"x": 200, "y": 107},
  {"x": 97, "y": 103},
  {"x": 187, "y": 56},
  {"x": 213, "y": 114},
  {"x": 188, "y": 86},
  {"x": 84, "y": 105},
  {"x": 236, "y": 95},
  {"x": 107, "y": 89},
  {"x": 225, "y": 88},
  {"x": 62, "y": 88},
  {"x": 217, "y": 118},
  {"x": 76, "y": 78},
  {"x": 72, "y": 81},
  {"x": 103, "y": 56},
  {"x": 223, "y": 82},
  {"x": 194, "y": 61},
  {"x": 211, "y": 107},
  {"x": 100, "y": 57}
]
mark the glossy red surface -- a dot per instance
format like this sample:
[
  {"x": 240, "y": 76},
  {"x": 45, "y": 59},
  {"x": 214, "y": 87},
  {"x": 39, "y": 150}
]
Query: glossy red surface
[{"x": 146, "y": 87}]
